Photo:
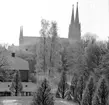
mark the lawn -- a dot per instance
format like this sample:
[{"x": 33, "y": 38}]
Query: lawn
[
  {"x": 13, "y": 100},
  {"x": 27, "y": 101}
]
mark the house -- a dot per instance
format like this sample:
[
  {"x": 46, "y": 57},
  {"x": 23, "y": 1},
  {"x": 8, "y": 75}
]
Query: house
[
  {"x": 17, "y": 63},
  {"x": 28, "y": 89}
]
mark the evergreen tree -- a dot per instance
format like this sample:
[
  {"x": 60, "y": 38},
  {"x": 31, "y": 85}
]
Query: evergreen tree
[
  {"x": 102, "y": 91},
  {"x": 43, "y": 96},
  {"x": 88, "y": 93},
  {"x": 96, "y": 100},
  {"x": 62, "y": 86},
  {"x": 69, "y": 96},
  {"x": 74, "y": 85},
  {"x": 64, "y": 59},
  {"x": 80, "y": 88},
  {"x": 16, "y": 86}
]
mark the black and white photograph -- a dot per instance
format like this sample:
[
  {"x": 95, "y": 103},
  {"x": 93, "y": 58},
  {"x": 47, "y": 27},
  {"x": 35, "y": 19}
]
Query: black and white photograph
[{"x": 54, "y": 52}]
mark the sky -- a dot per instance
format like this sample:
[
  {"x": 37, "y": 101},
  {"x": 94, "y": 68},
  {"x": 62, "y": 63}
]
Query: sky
[{"x": 94, "y": 17}]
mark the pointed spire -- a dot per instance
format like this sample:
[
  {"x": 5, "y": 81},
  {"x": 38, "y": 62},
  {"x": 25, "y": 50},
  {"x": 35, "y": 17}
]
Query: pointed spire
[
  {"x": 21, "y": 35},
  {"x": 77, "y": 15},
  {"x": 21, "y": 31},
  {"x": 72, "y": 18}
]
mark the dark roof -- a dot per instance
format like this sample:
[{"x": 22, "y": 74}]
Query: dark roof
[
  {"x": 27, "y": 40},
  {"x": 16, "y": 63}
]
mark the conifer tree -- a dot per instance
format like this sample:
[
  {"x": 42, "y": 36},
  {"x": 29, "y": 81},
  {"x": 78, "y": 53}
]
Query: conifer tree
[
  {"x": 102, "y": 92},
  {"x": 80, "y": 88},
  {"x": 96, "y": 100},
  {"x": 69, "y": 95},
  {"x": 74, "y": 85},
  {"x": 88, "y": 93},
  {"x": 43, "y": 96},
  {"x": 62, "y": 86},
  {"x": 16, "y": 86}
]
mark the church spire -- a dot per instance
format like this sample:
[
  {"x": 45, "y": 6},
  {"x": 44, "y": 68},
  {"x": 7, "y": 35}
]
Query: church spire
[
  {"x": 21, "y": 35},
  {"x": 72, "y": 18},
  {"x": 21, "y": 31},
  {"x": 75, "y": 26},
  {"x": 77, "y": 16}
]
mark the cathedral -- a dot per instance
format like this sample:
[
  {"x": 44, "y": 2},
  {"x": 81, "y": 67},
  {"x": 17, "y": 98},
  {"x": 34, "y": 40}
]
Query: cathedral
[
  {"x": 74, "y": 33},
  {"x": 75, "y": 27}
]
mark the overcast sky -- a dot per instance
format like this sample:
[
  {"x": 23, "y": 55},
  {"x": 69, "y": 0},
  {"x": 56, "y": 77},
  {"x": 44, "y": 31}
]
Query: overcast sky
[{"x": 94, "y": 17}]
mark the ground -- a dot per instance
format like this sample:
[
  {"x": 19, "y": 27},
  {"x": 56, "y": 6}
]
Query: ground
[{"x": 27, "y": 101}]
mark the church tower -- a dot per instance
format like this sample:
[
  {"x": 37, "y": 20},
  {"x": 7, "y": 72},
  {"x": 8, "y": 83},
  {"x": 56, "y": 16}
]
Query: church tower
[
  {"x": 21, "y": 35},
  {"x": 75, "y": 27}
]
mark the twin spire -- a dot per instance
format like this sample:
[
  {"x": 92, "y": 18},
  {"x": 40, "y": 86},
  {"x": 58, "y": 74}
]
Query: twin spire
[
  {"x": 76, "y": 20},
  {"x": 75, "y": 26},
  {"x": 72, "y": 18}
]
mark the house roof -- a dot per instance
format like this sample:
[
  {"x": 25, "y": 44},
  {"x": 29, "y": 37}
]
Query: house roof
[{"x": 16, "y": 63}]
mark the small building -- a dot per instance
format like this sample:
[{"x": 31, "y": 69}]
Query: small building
[
  {"x": 17, "y": 63},
  {"x": 28, "y": 89}
]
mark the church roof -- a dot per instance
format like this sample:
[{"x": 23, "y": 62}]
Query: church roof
[
  {"x": 30, "y": 40},
  {"x": 16, "y": 63}
]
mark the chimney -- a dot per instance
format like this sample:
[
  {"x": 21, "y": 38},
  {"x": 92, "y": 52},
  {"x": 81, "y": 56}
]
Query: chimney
[{"x": 13, "y": 54}]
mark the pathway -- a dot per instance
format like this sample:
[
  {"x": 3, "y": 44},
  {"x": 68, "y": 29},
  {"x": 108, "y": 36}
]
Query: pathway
[{"x": 10, "y": 102}]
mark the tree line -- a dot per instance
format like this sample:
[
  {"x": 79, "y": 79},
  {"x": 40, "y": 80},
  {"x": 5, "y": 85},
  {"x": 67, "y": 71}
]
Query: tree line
[{"x": 85, "y": 60}]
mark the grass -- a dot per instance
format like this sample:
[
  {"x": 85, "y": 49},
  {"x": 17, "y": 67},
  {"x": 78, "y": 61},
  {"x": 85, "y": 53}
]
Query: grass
[
  {"x": 27, "y": 100},
  {"x": 23, "y": 100}
]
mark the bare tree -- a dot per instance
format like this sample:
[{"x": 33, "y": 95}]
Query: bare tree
[
  {"x": 54, "y": 49},
  {"x": 3, "y": 59},
  {"x": 43, "y": 52}
]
